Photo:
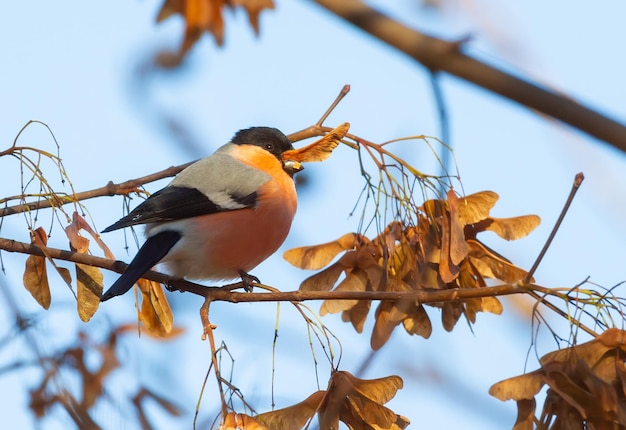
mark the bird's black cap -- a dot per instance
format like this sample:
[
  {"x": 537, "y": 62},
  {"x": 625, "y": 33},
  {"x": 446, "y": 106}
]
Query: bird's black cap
[{"x": 269, "y": 138}]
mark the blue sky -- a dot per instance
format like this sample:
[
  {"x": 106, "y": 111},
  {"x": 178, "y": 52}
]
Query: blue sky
[{"x": 80, "y": 69}]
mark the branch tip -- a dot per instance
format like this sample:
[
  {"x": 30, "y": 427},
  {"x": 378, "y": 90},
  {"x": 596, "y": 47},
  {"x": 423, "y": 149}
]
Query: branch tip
[
  {"x": 578, "y": 179},
  {"x": 344, "y": 92},
  {"x": 575, "y": 186}
]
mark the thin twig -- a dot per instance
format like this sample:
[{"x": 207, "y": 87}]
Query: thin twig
[
  {"x": 553, "y": 308},
  {"x": 444, "y": 127},
  {"x": 110, "y": 189},
  {"x": 208, "y": 333},
  {"x": 344, "y": 92},
  {"x": 578, "y": 179}
]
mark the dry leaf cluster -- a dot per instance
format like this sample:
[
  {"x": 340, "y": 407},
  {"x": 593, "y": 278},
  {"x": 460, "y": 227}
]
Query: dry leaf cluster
[
  {"x": 88, "y": 278},
  {"x": 321, "y": 149},
  {"x": 358, "y": 403},
  {"x": 78, "y": 360},
  {"x": 208, "y": 16},
  {"x": 48, "y": 395},
  {"x": 440, "y": 251},
  {"x": 586, "y": 387},
  {"x": 154, "y": 312}
]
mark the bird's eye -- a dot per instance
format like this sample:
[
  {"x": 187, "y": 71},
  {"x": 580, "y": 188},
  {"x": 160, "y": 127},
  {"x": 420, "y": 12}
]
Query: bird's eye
[{"x": 269, "y": 146}]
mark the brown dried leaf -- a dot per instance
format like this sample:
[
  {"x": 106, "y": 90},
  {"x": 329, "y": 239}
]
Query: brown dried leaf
[
  {"x": 155, "y": 312},
  {"x": 523, "y": 387},
  {"x": 355, "y": 280},
  {"x": 203, "y": 15},
  {"x": 82, "y": 224},
  {"x": 434, "y": 208},
  {"x": 525, "y": 415},
  {"x": 418, "y": 322},
  {"x": 491, "y": 305},
  {"x": 295, "y": 416},
  {"x": 169, "y": 8},
  {"x": 234, "y": 421},
  {"x": 403, "y": 258},
  {"x": 448, "y": 271},
  {"x": 376, "y": 277},
  {"x": 358, "y": 403},
  {"x": 254, "y": 9},
  {"x": 319, "y": 150},
  {"x": 491, "y": 265},
  {"x": 35, "y": 276},
  {"x": 470, "y": 278},
  {"x": 357, "y": 314},
  {"x": 472, "y": 307},
  {"x": 390, "y": 314},
  {"x": 391, "y": 235},
  {"x": 317, "y": 256},
  {"x": 324, "y": 280},
  {"x": 89, "y": 288},
  {"x": 388, "y": 317},
  {"x": 476, "y": 207},
  {"x": 368, "y": 255},
  {"x": 379, "y": 390},
  {"x": 458, "y": 246},
  {"x": 363, "y": 413},
  {"x": 586, "y": 385},
  {"x": 450, "y": 314},
  {"x": 512, "y": 228},
  {"x": 428, "y": 277},
  {"x": 591, "y": 352},
  {"x": 582, "y": 390},
  {"x": 40, "y": 239},
  {"x": 89, "y": 279},
  {"x": 65, "y": 274},
  {"x": 426, "y": 237},
  {"x": 78, "y": 243}
]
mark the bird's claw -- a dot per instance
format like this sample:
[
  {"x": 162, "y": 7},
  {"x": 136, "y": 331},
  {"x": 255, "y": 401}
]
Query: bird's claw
[{"x": 247, "y": 281}]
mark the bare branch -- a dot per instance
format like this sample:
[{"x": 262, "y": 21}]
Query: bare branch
[
  {"x": 578, "y": 180},
  {"x": 110, "y": 189},
  {"x": 440, "y": 55},
  {"x": 344, "y": 92},
  {"x": 225, "y": 293}
]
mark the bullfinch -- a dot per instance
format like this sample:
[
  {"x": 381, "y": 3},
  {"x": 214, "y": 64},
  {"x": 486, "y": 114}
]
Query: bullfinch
[{"x": 221, "y": 216}]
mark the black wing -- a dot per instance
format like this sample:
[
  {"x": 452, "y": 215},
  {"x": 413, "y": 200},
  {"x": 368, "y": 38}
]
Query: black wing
[
  {"x": 155, "y": 248},
  {"x": 173, "y": 203}
]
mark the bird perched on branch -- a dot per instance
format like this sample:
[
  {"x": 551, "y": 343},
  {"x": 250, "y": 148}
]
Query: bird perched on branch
[{"x": 221, "y": 216}]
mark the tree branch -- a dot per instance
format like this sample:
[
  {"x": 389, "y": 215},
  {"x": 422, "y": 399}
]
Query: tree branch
[
  {"x": 441, "y": 55},
  {"x": 110, "y": 189},
  {"x": 578, "y": 180},
  {"x": 225, "y": 293}
]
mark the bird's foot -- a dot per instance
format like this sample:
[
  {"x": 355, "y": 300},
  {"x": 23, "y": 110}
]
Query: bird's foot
[
  {"x": 247, "y": 280},
  {"x": 169, "y": 284}
]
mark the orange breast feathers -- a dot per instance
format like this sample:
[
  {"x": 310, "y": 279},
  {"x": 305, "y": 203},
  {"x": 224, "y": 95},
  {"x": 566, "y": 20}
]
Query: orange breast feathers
[{"x": 218, "y": 246}]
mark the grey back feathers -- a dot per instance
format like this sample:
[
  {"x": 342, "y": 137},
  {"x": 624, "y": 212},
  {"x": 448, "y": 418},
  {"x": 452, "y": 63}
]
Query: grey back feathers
[
  {"x": 214, "y": 184},
  {"x": 220, "y": 172}
]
